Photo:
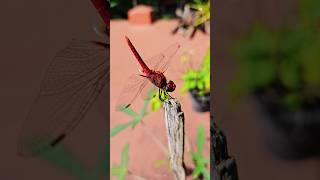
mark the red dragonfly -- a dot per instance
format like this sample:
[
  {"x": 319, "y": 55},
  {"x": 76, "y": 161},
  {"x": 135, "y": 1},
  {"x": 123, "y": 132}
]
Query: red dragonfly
[
  {"x": 137, "y": 84},
  {"x": 73, "y": 81}
]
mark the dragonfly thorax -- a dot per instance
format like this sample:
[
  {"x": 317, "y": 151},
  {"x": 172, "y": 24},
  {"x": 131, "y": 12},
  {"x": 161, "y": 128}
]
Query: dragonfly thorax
[{"x": 159, "y": 80}]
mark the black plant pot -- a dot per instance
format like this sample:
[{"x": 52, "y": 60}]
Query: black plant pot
[
  {"x": 200, "y": 103},
  {"x": 289, "y": 134}
]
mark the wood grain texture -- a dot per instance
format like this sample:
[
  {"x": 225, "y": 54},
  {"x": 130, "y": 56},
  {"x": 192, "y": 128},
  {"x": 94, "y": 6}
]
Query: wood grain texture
[{"x": 174, "y": 120}]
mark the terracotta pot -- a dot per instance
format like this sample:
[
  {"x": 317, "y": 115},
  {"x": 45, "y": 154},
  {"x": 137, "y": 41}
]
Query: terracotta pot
[
  {"x": 290, "y": 134},
  {"x": 200, "y": 103}
]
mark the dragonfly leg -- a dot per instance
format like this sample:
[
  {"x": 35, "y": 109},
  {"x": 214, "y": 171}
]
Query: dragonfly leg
[
  {"x": 167, "y": 94},
  {"x": 161, "y": 93}
]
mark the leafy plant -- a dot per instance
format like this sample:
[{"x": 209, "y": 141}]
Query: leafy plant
[
  {"x": 198, "y": 79},
  {"x": 153, "y": 98},
  {"x": 309, "y": 11},
  {"x": 113, "y": 3},
  {"x": 197, "y": 157},
  {"x": 203, "y": 11},
  {"x": 283, "y": 62},
  {"x": 136, "y": 118},
  {"x": 120, "y": 171}
]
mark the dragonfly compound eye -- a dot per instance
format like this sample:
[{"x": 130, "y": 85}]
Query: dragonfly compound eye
[{"x": 170, "y": 86}]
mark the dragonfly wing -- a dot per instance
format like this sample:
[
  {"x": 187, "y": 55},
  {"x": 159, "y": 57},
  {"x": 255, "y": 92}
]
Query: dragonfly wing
[
  {"x": 73, "y": 81},
  {"x": 135, "y": 85},
  {"x": 79, "y": 61},
  {"x": 148, "y": 91},
  {"x": 168, "y": 55},
  {"x": 161, "y": 61},
  {"x": 155, "y": 61}
]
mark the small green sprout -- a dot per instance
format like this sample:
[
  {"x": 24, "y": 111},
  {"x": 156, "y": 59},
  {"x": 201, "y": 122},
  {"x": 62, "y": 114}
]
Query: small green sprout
[
  {"x": 121, "y": 171},
  {"x": 198, "y": 159},
  {"x": 136, "y": 118}
]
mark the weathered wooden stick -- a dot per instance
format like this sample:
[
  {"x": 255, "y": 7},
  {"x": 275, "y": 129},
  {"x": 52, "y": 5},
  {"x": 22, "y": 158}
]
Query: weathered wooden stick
[
  {"x": 174, "y": 119},
  {"x": 223, "y": 166}
]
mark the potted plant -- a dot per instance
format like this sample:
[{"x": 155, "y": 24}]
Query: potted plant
[
  {"x": 281, "y": 70},
  {"x": 197, "y": 83},
  {"x": 195, "y": 16}
]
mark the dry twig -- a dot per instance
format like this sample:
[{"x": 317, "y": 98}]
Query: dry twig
[{"x": 174, "y": 119}]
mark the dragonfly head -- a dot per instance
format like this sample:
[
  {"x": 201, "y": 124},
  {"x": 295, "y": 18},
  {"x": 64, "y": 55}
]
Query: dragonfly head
[{"x": 170, "y": 87}]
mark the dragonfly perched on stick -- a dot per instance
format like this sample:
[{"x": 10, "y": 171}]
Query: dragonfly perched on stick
[
  {"x": 151, "y": 77},
  {"x": 72, "y": 83}
]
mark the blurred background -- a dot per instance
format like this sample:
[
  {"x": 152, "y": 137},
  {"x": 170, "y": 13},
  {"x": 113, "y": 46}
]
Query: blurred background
[
  {"x": 138, "y": 136},
  {"x": 32, "y": 32},
  {"x": 266, "y": 61}
]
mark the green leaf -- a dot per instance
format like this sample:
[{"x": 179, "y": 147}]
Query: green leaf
[
  {"x": 129, "y": 112},
  {"x": 203, "y": 11},
  {"x": 309, "y": 10},
  {"x": 121, "y": 171},
  {"x": 292, "y": 40},
  {"x": 136, "y": 117},
  {"x": 200, "y": 139},
  {"x": 125, "y": 156},
  {"x": 292, "y": 101},
  {"x": 118, "y": 128},
  {"x": 113, "y": 4},
  {"x": 311, "y": 64},
  {"x": 289, "y": 74},
  {"x": 197, "y": 157},
  {"x": 116, "y": 171},
  {"x": 257, "y": 74},
  {"x": 196, "y": 172},
  {"x": 258, "y": 45},
  {"x": 200, "y": 86},
  {"x": 193, "y": 85}
]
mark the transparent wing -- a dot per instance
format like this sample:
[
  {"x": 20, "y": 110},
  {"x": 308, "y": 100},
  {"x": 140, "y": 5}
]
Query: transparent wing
[
  {"x": 145, "y": 93},
  {"x": 154, "y": 62},
  {"x": 77, "y": 62},
  {"x": 73, "y": 81},
  {"x": 168, "y": 53},
  {"x": 161, "y": 61},
  {"x": 135, "y": 85}
]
